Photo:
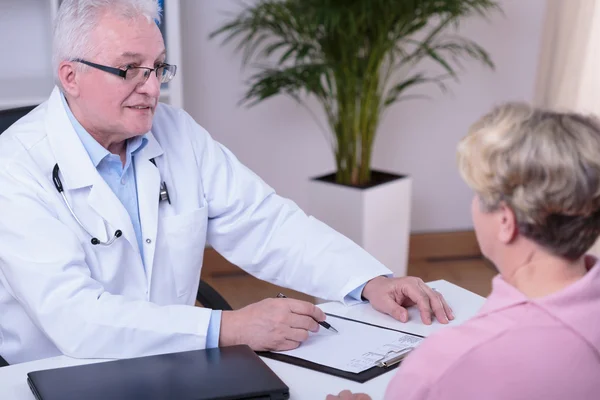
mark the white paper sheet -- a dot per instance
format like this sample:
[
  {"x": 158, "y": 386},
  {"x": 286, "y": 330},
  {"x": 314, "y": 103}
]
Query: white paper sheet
[
  {"x": 465, "y": 305},
  {"x": 356, "y": 348}
]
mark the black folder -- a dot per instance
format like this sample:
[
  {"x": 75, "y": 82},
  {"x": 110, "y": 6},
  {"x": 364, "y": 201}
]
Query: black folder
[
  {"x": 360, "y": 377},
  {"x": 225, "y": 373}
]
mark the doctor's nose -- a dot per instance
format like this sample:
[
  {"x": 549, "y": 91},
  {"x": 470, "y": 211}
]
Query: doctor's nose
[{"x": 150, "y": 87}]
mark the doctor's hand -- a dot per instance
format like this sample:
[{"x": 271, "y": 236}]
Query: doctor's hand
[
  {"x": 271, "y": 324},
  {"x": 392, "y": 295},
  {"x": 347, "y": 395}
]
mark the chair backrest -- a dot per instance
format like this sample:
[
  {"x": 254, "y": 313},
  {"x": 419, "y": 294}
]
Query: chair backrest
[
  {"x": 210, "y": 298},
  {"x": 12, "y": 115}
]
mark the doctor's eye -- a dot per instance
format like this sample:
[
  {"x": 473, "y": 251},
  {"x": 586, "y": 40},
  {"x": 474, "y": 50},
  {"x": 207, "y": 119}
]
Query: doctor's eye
[{"x": 132, "y": 72}]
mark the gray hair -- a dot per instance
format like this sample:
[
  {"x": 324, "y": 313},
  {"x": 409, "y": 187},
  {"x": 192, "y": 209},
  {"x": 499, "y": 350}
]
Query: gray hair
[
  {"x": 545, "y": 165},
  {"x": 77, "y": 19}
]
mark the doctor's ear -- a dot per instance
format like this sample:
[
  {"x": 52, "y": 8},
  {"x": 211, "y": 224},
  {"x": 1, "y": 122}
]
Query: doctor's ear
[{"x": 68, "y": 78}]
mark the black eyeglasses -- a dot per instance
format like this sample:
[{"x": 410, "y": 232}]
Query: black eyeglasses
[{"x": 164, "y": 72}]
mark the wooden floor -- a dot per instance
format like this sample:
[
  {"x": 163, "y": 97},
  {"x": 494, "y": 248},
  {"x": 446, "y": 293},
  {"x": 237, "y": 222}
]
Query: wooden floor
[{"x": 240, "y": 289}]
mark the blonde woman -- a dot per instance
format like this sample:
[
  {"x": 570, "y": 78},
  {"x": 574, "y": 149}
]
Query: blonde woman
[{"x": 536, "y": 212}]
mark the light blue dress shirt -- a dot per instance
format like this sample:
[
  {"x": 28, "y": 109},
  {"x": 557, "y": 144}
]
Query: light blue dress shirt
[{"x": 121, "y": 179}]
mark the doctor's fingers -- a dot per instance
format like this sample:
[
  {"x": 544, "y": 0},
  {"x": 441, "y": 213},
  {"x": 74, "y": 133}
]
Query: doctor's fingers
[
  {"x": 305, "y": 308},
  {"x": 439, "y": 305},
  {"x": 427, "y": 301},
  {"x": 282, "y": 345},
  {"x": 296, "y": 335},
  {"x": 303, "y": 322}
]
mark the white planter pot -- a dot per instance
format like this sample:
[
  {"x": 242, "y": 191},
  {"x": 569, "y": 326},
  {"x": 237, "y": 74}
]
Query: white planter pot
[{"x": 377, "y": 218}]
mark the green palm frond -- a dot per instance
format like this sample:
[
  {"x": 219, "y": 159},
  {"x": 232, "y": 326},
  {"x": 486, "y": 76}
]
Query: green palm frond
[{"x": 347, "y": 54}]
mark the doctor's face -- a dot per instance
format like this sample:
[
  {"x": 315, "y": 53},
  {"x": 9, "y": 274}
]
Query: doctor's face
[{"x": 107, "y": 104}]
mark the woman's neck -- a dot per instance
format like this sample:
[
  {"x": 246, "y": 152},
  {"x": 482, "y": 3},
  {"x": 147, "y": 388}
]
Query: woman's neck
[{"x": 542, "y": 275}]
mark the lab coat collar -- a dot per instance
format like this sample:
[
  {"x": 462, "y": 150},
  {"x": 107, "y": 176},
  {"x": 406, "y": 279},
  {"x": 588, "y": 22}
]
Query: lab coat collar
[
  {"x": 76, "y": 167},
  {"x": 152, "y": 149}
]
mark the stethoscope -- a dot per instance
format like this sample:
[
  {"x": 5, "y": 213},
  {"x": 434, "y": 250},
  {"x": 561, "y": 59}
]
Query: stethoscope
[{"x": 163, "y": 196}]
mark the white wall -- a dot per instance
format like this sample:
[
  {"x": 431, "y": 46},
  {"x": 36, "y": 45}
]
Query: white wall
[
  {"x": 25, "y": 28},
  {"x": 283, "y": 144}
]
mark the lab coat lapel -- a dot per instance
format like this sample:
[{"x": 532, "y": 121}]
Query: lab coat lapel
[
  {"x": 77, "y": 171},
  {"x": 76, "y": 168},
  {"x": 148, "y": 189}
]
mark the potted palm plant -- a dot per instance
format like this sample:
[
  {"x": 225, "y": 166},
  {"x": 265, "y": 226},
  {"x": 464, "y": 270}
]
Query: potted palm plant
[{"x": 356, "y": 58}]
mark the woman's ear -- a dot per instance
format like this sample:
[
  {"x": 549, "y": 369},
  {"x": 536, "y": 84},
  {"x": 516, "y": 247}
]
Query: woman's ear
[
  {"x": 68, "y": 78},
  {"x": 507, "y": 223}
]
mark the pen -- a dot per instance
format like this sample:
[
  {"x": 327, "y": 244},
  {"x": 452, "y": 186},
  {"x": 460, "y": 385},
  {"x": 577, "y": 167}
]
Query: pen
[
  {"x": 397, "y": 359},
  {"x": 322, "y": 323}
]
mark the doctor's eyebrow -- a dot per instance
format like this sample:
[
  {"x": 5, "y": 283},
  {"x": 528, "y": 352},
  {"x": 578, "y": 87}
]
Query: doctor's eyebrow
[{"x": 128, "y": 56}]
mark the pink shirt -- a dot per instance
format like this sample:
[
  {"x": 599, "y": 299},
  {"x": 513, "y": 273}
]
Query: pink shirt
[{"x": 514, "y": 348}]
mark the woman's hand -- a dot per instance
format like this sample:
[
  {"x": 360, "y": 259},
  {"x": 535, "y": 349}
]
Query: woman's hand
[{"x": 348, "y": 395}]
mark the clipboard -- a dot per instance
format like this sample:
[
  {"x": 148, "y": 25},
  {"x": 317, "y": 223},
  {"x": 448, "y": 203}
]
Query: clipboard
[{"x": 387, "y": 364}]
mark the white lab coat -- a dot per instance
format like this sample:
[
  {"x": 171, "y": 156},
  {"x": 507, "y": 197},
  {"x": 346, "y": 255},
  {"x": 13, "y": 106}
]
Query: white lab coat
[{"x": 61, "y": 294}]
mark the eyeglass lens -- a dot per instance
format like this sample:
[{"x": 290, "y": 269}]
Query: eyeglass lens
[{"x": 164, "y": 73}]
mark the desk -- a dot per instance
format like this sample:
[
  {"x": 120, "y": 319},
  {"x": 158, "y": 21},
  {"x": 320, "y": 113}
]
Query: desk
[{"x": 304, "y": 384}]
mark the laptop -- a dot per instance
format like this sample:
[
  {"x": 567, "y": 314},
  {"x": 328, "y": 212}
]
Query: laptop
[{"x": 224, "y": 373}]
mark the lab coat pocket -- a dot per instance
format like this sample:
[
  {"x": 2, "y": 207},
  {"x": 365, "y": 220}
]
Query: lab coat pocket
[{"x": 186, "y": 239}]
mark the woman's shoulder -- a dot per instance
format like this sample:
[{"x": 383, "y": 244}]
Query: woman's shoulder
[
  {"x": 440, "y": 351},
  {"x": 474, "y": 354}
]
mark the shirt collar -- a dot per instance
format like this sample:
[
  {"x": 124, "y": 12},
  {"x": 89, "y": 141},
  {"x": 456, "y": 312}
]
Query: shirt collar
[
  {"x": 504, "y": 295},
  {"x": 577, "y": 304},
  {"x": 136, "y": 143},
  {"x": 574, "y": 306},
  {"x": 94, "y": 149}
]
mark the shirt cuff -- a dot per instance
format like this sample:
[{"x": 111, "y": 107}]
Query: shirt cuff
[
  {"x": 214, "y": 329},
  {"x": 355, "y": 296}
]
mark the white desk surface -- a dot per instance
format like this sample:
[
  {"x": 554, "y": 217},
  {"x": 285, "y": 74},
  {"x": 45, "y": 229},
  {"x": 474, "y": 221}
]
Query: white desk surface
[{"x": 304, "y": 384}]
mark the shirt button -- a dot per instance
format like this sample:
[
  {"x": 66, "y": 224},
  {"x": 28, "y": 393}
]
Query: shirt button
[
  {"x": 148, "y": 240},
  {"x": 123, "y": 181}
]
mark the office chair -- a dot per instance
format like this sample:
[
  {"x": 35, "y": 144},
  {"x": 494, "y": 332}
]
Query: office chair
[
  {"x": 210, "y": 298},
  {"x": 206, "y": 296}
]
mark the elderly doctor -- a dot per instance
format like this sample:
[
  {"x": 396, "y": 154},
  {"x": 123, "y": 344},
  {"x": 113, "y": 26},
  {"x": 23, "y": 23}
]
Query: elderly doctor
[{"x": 92, "y": 264}]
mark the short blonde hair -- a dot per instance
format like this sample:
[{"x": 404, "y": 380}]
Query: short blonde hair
[{"x": 545, "y": 166}]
